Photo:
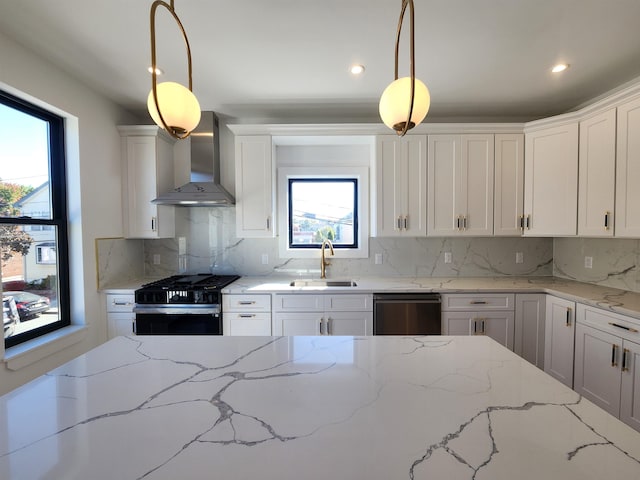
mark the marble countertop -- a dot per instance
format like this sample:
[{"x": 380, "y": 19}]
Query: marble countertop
[
  {"x": 613, "y": 299},
  {"x": 308, "y": 407}
]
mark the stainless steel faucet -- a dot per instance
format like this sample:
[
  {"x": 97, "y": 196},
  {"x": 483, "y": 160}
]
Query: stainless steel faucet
[{"x": 323, "y": 262}]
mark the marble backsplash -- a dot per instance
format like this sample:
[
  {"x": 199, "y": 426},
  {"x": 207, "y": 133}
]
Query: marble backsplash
[
  {"x": 210, "y": 244},
  {"x": 614, "y": 261},
  {"x": 206, "y": 242}
]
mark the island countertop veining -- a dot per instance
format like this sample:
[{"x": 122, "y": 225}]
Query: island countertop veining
[{"x": 307, "y": 407}]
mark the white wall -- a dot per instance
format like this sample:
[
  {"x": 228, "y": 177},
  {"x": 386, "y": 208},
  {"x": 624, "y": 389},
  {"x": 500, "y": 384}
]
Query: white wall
[{"x": 93, "y": 150}]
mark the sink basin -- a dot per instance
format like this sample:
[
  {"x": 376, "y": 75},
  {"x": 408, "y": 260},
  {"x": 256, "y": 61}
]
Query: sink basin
[{"x": 323, "y": 283}]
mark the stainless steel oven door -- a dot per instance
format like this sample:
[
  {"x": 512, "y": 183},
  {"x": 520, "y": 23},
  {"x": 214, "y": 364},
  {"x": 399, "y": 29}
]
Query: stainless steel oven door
[{"x": 169, "y": 320}]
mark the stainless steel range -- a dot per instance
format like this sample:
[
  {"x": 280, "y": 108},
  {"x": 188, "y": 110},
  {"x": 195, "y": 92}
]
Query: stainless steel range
[{"x": 181, "y": 305}]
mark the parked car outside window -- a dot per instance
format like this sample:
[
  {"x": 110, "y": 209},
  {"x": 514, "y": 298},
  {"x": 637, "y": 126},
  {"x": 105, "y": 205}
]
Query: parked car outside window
[{"x": 29, "y": 305}]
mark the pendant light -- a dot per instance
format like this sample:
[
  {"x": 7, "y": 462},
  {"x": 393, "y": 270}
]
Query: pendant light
[
  {"x": 172, "y": 106},
  {"x": 405, "y": 102}
]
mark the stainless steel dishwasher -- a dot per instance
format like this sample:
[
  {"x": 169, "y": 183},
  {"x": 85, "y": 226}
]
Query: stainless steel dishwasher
[{"x": 406, "y": 314}]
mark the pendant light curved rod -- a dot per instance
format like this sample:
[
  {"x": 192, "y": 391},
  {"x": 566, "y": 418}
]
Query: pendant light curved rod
[
  {"x": 412, "y": 67},
  {"x": 154, "y": 80}
]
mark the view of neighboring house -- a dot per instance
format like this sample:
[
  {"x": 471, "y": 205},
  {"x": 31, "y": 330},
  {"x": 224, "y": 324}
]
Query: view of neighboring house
[{"x": 40, "y": 262}]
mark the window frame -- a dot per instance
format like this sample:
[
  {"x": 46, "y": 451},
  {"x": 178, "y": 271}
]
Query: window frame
[
  {"x": 361, "y": 174},
  {"x": 354, "y": 181},
  {"x": 59, "y": 214}
]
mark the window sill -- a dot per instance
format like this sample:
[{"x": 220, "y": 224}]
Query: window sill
[{"x": 33, "y": 351}]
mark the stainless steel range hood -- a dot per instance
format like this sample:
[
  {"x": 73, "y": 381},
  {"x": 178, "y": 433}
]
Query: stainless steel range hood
[{"x": 204, "y": 189}]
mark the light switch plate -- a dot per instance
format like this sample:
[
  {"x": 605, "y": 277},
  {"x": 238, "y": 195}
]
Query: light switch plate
[
  {"x": 519, "y": 257},
  {"x": 447, "y": 257},
  {"x": 588, "y": 262},
  {"x": 378, "y": 259},
  {"x": 265, "y": 259}
]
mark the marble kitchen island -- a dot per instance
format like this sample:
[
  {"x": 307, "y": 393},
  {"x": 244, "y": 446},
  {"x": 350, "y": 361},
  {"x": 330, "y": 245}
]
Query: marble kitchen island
[{"x": 307, "y": 407}]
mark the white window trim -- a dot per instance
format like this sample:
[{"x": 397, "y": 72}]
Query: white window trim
[{"x": 359, "y": 173}]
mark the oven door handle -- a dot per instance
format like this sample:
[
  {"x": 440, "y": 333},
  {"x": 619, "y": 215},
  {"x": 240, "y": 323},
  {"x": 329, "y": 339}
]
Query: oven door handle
[{"x": 191, "y": 310}]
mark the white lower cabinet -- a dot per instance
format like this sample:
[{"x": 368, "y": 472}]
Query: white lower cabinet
[
  {"x": 120, "y": 314},
  {"x": 529, "y": 327},
  {"x": 244, "y": 315},
  {"x": 302, "y": 314},
  {"x": 607, "y": 362},
  {"x": 559, "y": 339},
  {"x": 479, "y": 314}
]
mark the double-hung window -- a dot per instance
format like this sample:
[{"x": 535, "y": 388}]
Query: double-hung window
[{"x": 33, "y": 221}]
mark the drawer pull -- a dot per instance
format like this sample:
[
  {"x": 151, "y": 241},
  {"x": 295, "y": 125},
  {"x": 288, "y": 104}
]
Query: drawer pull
[
  {"x": 121, "y": 304},
  {"x": 246, "y": 302},
  {"x": 478, "y": 302},
  {"x": 614, "y": 355},
  {"x": 628, "y": 329},
  {"x": 247, "y": 315}
]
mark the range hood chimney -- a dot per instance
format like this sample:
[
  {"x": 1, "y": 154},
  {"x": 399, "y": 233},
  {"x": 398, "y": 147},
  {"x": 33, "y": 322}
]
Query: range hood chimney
[{"x": 204, "y": 189}]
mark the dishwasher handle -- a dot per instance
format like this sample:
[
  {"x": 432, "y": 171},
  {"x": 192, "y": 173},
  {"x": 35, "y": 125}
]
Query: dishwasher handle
[{"x": 404, "y": 298}]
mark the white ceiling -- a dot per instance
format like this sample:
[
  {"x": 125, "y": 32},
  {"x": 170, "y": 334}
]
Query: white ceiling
[{"x": 286, "y": 60}]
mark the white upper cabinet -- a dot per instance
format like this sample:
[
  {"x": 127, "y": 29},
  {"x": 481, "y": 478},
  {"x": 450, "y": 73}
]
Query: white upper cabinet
[
  {"x": 401, "y": 172},
  {"x": 460, "y": 178},
  {"x": 509, "y": 185},
  {"x": 596, "y": 181},
  {"x": 628, "y": 170},
  {"x": 551, "y": 181},
  {"x": 254, "y": 186},
  {"x": 147, "y": 156}
]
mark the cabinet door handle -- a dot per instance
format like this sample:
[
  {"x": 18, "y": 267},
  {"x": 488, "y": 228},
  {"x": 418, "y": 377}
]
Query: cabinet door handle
[
  {"x": 246, "y": 302},
  {"x": 247, "y": 315},
  {"x": 153, "y": 224},
  {"x": 527, "y": 222},
  {"x": 614, "y": 355},
  {"x": 606, "y": 220},
  {"x": 475, "y": 327},
  {"x": 321, "y": 326},
  {"x": 522, "y": 222},
  {"x": 464, "y": 222},
  {"x": 329, "y": 326},
  {"x": 483, "y": 330},
  {"x": 398, "y": 223},
  {"x": 458, "y": 222},
  {"x": 268, "y": 223},
  {"x": 406, "y": 223},
  {"x": 568, "y": 321},
  {"x": 625, "y": 352},
  {"x": 628, "y": 329}
]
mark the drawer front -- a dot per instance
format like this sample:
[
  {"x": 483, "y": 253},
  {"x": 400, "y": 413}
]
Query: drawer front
[
  {"x": 299, "y": 303},
  {"x": 348, "y": 303},
  {"x": 120, "y": 303},
  {"x": 120, "y": 324},
  {"x": 478, "y": 302},
  {"x": 246, "y": 303},
  {"x": 258, "y": 324},
  {"x": 613, "y": 323}
]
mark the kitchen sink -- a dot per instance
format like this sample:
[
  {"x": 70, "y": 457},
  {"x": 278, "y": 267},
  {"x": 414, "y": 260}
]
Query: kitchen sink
[{"x": 323, "y": 283}]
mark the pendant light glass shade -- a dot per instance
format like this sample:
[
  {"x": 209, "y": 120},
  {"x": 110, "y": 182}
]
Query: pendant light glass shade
[
  {"x": 395, "y": 102},
  {"x": 179, "y": 106}
]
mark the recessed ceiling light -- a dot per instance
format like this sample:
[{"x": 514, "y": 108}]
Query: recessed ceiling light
[
  {"x": 357, "y": 69},
  {"x": 560, "y": 67},
  {"x": 159, "y": 71}
]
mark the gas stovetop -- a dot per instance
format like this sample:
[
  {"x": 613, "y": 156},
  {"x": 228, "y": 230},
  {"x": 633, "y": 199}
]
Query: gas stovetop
[{"x": 202, "y": 288}]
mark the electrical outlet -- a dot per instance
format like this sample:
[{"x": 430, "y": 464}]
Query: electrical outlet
[
  {"x": 265, "y": 259},
  {"x": 156, "y": 259},
  {"x": 519, "y": 257},
  {"x": 588, "y": 262},
  {"x": 378, "y": 259},
  {"x": 447, "y": 257}
]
